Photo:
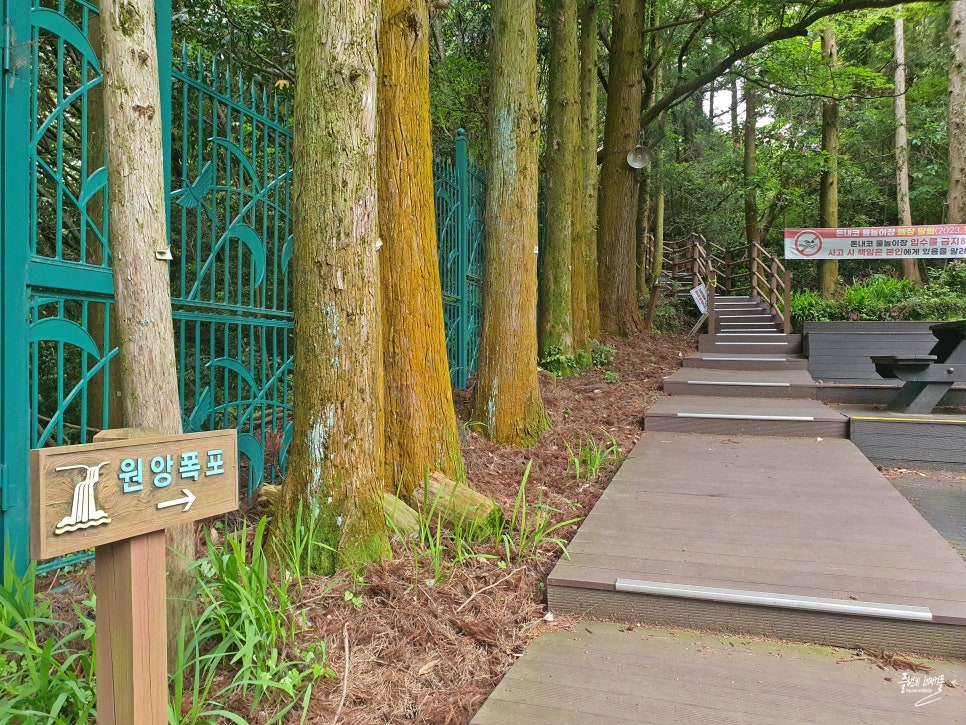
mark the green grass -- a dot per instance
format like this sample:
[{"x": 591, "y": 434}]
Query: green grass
[
  {"x": 589, "y": 456},
  {"x": 530, "y": 526},
  {"x": 46, "y": 665}
]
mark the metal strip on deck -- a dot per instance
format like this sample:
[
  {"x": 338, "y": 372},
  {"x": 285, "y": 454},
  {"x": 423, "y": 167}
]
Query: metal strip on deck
[
  {"x": 726, "y": 416},
  {"x": 736, "y": 382},
  {"x": 787, "y": 601}
]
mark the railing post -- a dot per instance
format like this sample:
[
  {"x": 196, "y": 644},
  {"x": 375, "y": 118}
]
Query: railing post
[
  {"x": 696, "y": 261},
  {"x": 727, "y": 272},
  {"x": 787, "y": 303},
  {"x": 463, "y": 255},
  {"x": 773, "y": 286},
  {"x": 712, "y": 321},
  {"x": 753, "y": 281}
]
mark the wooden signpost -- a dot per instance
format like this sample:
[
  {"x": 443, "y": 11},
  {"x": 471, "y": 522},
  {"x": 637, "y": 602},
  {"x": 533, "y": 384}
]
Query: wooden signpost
[{"x": 118, "y": 495}]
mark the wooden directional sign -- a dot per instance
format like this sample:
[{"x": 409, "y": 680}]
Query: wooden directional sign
[{"x": 88, "y": 495}]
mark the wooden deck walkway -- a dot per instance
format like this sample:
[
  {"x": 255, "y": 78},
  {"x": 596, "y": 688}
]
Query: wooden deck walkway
[
  {"x": 750, "y": 526},
  {"x": 741, "y": 511}
]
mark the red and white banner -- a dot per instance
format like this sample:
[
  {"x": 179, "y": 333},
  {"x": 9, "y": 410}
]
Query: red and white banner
[{"x": 940, "y": 240}]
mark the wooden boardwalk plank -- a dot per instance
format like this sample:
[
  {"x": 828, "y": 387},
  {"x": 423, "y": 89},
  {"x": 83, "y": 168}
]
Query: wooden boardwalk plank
[
  {"x": 734, "y": 509},
  {"x": 609, "y": 673}
]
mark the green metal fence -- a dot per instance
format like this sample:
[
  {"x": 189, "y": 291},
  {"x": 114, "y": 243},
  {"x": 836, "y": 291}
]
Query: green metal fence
[
  {"x": 460, "y": 194},
  {"x": 229, "y": 173},
  {"x": 231, "y": 240}
]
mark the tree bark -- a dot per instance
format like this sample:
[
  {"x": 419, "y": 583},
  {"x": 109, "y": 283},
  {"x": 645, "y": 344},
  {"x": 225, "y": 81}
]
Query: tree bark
[
  {"x": 910, "y": 267},
  {"x": 142, "y": 293},
  {"x": 956, "y": 114},
  {"x": 588, "y": 133},
  {"x": 421, "y": 430},
  {"x": 619, "y": 312},
  {"x": 561, "y": 160},
  {"x": 750, "y": 172},
  {"x": 506, "y": 399},
  {"x": 828, "y": 195},
  {"x": 336, "y": 456}
]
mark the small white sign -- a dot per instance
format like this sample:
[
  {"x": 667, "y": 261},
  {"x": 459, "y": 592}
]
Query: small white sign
[{"x": 700, "y": 296}]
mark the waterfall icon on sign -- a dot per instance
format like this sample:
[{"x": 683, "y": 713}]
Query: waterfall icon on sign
[{"x": 84, "y": 512}]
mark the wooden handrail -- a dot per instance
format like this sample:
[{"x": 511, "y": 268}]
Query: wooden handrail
[{"x": 755, "y": 271}]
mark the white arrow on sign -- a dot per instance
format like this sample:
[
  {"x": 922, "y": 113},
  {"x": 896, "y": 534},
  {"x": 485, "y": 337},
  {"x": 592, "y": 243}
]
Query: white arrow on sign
[{"x": 189, "y": 498}]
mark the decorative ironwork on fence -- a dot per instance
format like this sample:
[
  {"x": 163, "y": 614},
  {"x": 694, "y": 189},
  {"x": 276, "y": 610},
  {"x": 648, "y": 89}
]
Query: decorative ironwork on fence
[
  {"x": 460, "y": 195},
  {"x": 231, "y": 240},
  {"x": 228, "y": 146}
]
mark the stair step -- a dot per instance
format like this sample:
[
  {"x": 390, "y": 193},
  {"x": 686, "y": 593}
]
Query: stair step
[
  {"x": 741, "y": 383},
  {"x": 750, "y": 343},
  {"x": 725, "y": 361},
  {"x": 745, "y": 416}
]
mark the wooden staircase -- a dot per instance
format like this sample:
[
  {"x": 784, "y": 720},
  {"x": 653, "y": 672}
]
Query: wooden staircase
[{"x": 745, "y": 325}]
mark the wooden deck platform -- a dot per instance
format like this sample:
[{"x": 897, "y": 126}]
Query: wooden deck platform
[
  {"x": 745, "y": 416},
  {"x": 907, "y": 439},
  {"x": 800, "y": 539},
  {"x": 608, "y": 673}
]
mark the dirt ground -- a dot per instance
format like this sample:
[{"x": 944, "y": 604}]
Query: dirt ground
[
  {"x": 432, "y": 654},
  {"x": 410, "y": 646}
]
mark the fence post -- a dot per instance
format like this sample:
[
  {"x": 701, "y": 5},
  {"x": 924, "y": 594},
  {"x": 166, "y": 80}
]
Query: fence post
[
  {"x": 773, "y": 286},
  {"x": 787, "y": 303},
  {"x": 463, "y": 255},
  {"x": 753, "y": 281}
]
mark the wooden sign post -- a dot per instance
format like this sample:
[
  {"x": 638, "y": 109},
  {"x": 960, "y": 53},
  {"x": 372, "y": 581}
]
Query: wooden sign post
[{"x": 118, "y": 495}]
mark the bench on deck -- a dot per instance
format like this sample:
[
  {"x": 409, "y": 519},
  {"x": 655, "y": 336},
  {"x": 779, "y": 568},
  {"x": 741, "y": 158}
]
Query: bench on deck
[{"x": 926, "y": 378}]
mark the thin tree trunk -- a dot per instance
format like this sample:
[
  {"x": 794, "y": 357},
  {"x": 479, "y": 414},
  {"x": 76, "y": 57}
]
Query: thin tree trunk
[
  {"x": 646, "y": 259},
  {"x": 142, "y": 293},
  {"x": 588, "y": 125},
  {"x": 101, "y": 393},
  {"x": 750, "y": 171},
  {"x": 956, "y": 114},
  {"x": 507, "y": 394},
  {"x": 616, "y": 247},
  {"x": 336, "y": 457},
  {"x": 655, "y": 275},
  {"x": 421, "y": 430},
  {"x": 828, "y": 269},
  {"x": 562, "y": 158},
  {"x": 910, "y": 267}
]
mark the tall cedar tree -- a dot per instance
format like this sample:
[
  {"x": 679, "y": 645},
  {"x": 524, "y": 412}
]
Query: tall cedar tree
[
  {"x": 421, "y": 430},
  {"x": 336, "y": 458},
  {"x": 956, "y": 114},
  {"x": 616, "y": 248},
  {"x": 910, "y": 267},
  {"x": 556, "y": 299},
  {"x": 507, "y": 395},
  {"x": 588, "y": 165},
  {"x": 142, "y": 295},
  {"x": 828, "y": 194}
]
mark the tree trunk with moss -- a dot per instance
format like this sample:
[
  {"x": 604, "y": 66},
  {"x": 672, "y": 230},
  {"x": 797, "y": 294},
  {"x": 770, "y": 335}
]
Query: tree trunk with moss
[
  {"x": 421, "y": 430},
  {"x": 588, "y": 165},
  {"x": 506, "y": 400},
  {"x": 910, "y": 267},
  {"x": 828, "y": 194},
  {"x": 616, "y": 248},
  {"x": 135, "y": 171},
  {"x": 561, "y": 161},
  {"x": 956, "y": 114},
  {"x": 336, "y": 456}
]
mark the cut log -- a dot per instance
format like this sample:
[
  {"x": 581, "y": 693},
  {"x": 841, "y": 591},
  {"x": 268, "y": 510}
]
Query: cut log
[
  {"x": 399, "y": 514},
  {"x": 401, "y": 517},
  {"x": 457, "y": 504}
]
